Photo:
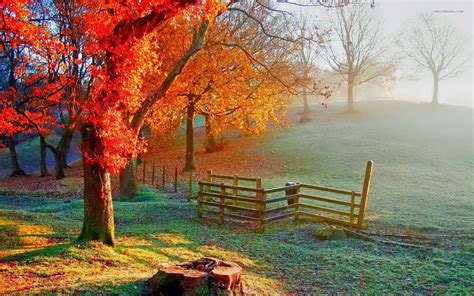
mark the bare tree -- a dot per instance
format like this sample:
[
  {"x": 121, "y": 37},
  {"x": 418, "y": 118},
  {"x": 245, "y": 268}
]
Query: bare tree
[
  {"x": 434, "y": 47},
  {"x": 357, "y": 53},
  {"x": 309, "y": 49}
]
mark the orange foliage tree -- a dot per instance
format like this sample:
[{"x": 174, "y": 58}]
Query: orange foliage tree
[
  {"x": 115, "y": 31},
  {"x": 113, "y": 116},
  {"x": 226, "y": 87},
  {"x": 47, "y": 70},
  {"x": 243, "y": 77},
  {"x": 117, "y": 40}
]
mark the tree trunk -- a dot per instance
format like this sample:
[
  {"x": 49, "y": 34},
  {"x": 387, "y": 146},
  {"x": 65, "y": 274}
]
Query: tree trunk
[
  {"x": 43, "y": 166},
  {"x": 128, "y": 180},
  {"x": 305, "y": 117},
  {"x": 210, "y": 139},
  {"x": 98, "y": 209},
  {"x": 59, "y": 162},
  {"x": 189, "y": 165},
  {"x": 60, "y": 153},
  {"x": 350, "y": 97},
  {"x": 16, "y": 169},
  {"x": 435, "y": 89},
  {"x": 66, "y": 143}
]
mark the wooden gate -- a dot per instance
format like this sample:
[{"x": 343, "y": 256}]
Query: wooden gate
[{"x": 253, "y": 203}]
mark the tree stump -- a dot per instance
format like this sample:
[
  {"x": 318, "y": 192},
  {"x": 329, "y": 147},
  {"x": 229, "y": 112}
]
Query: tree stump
[{"x": 206, "y": 276}]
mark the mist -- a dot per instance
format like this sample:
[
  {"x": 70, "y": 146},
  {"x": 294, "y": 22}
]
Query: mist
[{"x": 396, "y": 15}]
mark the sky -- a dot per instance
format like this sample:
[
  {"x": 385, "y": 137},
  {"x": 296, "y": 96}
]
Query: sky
[{"x": 395, "y": 15}]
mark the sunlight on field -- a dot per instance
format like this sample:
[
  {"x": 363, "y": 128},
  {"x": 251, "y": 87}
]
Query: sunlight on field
[
  {"x": 33, "y": 263},
  {"x": 237, "y": 257},
  {"x": 227, "y": 147},
  {"x": 423, "y": 158},
  {"x": 171, "y": 238}
]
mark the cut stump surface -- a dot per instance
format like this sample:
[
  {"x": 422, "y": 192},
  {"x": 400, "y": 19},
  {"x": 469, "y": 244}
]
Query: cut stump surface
[{"x": 206, "y": 276}]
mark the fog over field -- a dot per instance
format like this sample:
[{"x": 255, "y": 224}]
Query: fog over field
[{"x": 395, "y": 16}]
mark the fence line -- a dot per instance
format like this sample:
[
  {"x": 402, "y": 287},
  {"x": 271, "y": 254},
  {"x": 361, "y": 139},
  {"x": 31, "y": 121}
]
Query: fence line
[
  {"x": 255, "y": 203},
  {"x": 144, "y": 168}
]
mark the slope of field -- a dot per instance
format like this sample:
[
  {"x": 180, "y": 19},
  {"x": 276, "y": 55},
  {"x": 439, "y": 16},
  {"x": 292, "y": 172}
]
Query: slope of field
[
  {"x": 423, "y": 178},
  {"x": 424, "y": 160},
  {"x": 422, "y": 193}
]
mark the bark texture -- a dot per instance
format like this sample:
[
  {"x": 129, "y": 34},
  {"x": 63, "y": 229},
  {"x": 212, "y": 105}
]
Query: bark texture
[
  {"x": 206, "y": 276},
  {"x": 43, "y": 165},
  {"x": 189, "y": 165},
  {"x": 350, "y": 97},
  {"x": 98, "y": 208},
  {"x": 305, "y": 116},
  {"x": 128, "y": 181},
  {"x": 16, "y": 169},
  {"x": 211, "y": 144}
]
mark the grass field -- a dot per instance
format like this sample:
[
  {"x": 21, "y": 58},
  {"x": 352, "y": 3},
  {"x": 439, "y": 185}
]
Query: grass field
[
  {"x": 39, "y": 255},
  {"x": 424, "y": 161},
  {"x": 422, "y": 190}
]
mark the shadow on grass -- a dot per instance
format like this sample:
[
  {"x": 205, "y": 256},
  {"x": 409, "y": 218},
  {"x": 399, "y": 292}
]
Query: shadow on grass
[
  {"x": 49, "y": 251},
  {"x": 138, "y": 287}
]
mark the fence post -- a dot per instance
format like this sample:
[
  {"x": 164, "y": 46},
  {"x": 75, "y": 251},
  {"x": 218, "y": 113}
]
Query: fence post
[
  {"x": 199, "y": 204},
  {"x": 153, "y": 174},
  {"x": 144, "y": 170},
  {"x": 190, "y": 185},
  {"x": 351, "y": 214},
  {"x": 164, "y": 176},
  {"x": 221, "y": 207},
  {"x": 258, "y": 185},
  {"x": 208, "y": 179},
  {"x": 262, "y": 207},
  {"x": 296, "y": 201},
  {"x": 365, "y": 193},
  {"x": 176, "y": 180},
  {"x": 235, "y": 182}
]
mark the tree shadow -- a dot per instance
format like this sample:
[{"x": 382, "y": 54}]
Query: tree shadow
[
  {"x": 49, "y": 251},
  {"x": 137, "y": 287}
]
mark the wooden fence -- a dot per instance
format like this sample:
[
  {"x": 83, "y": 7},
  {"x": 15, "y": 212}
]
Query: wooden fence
[
  {"x": 158, "y": 176},
  {"x": 231, "y": 199}
]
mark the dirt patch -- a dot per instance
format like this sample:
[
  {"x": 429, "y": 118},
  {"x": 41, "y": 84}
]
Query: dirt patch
[{"x": 71, "y": 186}]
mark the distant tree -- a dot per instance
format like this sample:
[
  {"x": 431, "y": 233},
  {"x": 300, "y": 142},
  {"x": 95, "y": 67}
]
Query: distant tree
[
  {"x": 434, "y": 47},
  {"x": 358, "y": 53},
  {"x": 10, "y": 124},
  {"x": 309, "y": 49}
]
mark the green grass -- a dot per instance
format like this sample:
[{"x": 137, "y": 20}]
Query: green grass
[
  {"x": 422, "y": 181},
  {"x": 158, "y": 230},
  {"x": 423, "y": 176}
]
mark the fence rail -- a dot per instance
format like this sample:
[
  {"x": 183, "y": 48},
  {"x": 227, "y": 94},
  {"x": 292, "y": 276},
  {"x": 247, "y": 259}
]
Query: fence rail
[{"x": 256, "y": 203}]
